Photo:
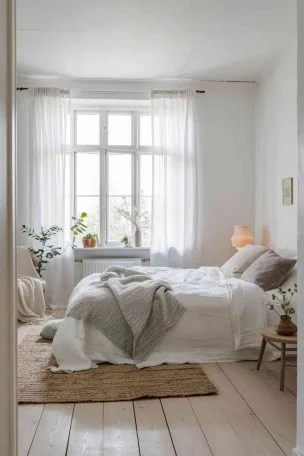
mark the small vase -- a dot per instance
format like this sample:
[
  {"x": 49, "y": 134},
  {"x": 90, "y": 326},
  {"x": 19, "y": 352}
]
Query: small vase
[
  {"x": 93, "y": 242},
  {"x": 137, "y": 238},
  {"x": 286, "y": 327}
]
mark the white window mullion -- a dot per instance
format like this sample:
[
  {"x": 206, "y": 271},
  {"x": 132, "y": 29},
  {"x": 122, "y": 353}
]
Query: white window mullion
[
  {"x": 73, "y": 172},
  {"x": 103, "y": 180},
  {"x": 74, "y": 132},
  {"x": 135, "y": 163},
  {"x": 135, "y": 167}
]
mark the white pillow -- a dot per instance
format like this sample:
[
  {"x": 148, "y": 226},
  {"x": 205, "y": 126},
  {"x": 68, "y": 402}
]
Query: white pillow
[
  {"x": 50, "y": 328},
  {"x": 244, "y": 258}
]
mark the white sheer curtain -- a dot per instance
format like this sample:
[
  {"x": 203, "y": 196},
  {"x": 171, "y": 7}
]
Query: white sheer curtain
[
  {"x": 175, "y": 211},
  {"x": 43, "y": 175}
]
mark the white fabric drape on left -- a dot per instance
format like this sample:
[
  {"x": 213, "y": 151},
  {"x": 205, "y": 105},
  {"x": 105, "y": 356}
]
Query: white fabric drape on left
[
  {"x": 43, "y": 180},
  {"x": 175, "y": 212}
]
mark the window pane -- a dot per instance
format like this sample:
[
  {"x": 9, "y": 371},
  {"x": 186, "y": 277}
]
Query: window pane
[
  {"x": 87, "y": 173},
  {"x": 118, "y": 226},
  {"x": 119, "y": 129},
  {"x": 146, "y": 219},
  {"x": 145, "y": 175},
  {"x": 145, "y": 137},
  {"x": 119, "y": 174},
  {"x": 87, "y": 129},
  {"x": 68, "y": 130},
  {"x": 90, "y": 205}
]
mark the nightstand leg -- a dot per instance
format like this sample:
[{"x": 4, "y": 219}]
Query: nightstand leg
[
  {"x": 264, "y": 342},
  {"x": 282, "y": 379}
]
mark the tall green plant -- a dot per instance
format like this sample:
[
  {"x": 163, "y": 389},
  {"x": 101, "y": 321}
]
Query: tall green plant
[
  {"x": 46, "y": 251},
  {"x": 79, "y": 227}
]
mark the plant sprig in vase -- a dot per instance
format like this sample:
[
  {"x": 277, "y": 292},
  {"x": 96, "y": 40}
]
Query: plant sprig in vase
[
  {"x": 281, "y": 303},
  {"x": 139, "y": 219}
]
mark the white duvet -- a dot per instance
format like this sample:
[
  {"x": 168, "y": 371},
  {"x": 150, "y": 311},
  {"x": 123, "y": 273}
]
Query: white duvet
[{"x": 221, "y": 323}]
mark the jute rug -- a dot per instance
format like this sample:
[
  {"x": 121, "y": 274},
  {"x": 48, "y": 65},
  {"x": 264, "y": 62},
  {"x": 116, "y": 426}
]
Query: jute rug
[
  {"x": 36, "y": 384},
  {"x": 50, "y": 314}
]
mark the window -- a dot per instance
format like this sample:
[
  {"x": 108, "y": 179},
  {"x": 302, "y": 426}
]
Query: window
[{"x": 113, "y": 173}]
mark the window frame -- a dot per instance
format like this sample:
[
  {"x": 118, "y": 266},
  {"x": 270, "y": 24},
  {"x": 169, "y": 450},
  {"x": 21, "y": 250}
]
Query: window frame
[{"x": 104, "y": 150}]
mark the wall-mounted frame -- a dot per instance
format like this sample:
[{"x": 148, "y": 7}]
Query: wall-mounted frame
[{"x": 287, "y": 191}]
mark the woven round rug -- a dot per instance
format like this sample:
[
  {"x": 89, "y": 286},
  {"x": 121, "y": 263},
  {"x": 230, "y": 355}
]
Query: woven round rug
[{"x": 109, "y": 382}]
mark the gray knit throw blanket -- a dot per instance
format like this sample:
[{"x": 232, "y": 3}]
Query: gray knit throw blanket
[{"x": 128, "y": 307}]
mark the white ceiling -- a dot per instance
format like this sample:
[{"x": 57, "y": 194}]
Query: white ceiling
[{"x": 149, "y": 39}]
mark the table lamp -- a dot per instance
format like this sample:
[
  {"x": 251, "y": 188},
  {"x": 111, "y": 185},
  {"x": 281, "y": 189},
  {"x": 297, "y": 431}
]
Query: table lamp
[{"x": 241, "y": 236}]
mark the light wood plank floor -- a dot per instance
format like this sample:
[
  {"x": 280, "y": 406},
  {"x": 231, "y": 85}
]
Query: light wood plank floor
[{"x": 249, "y": 417}]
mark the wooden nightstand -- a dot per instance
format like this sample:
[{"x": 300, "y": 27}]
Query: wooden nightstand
[{"x": 273, "y": 338}]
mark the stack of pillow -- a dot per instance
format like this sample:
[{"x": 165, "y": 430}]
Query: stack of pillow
[{"x": 260, "y": 265}]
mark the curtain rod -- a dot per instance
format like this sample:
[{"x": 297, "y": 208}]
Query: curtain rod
[{"x": 26, "y": 88}]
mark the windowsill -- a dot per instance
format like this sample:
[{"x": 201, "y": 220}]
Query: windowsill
[{"x": 108, "y": 252}]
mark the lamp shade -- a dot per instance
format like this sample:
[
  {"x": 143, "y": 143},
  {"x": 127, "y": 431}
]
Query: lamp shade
[{"x": 241, "y": 236}]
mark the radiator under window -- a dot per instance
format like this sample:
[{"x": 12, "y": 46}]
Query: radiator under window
[{"x": 92, "y": 265}]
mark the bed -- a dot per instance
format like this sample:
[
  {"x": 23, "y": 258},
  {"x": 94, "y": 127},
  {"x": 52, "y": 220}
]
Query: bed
[{"x": 221, "y": 323}]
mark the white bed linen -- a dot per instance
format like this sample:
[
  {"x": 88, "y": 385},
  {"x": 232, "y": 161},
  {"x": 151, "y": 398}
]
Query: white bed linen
[{"x": 221, "y": 323}]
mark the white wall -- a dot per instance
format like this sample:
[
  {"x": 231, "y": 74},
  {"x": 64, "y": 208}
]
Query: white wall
[
  {"x": 277, "y": 153},
  {"x": 225, "y": 122}
]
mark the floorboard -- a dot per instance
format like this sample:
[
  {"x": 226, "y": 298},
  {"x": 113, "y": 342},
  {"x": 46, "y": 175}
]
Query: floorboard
[
  {"x": 230, "y": 426},
  {"x": 86, "y": 435},
  {"x": 28, "y": 419},
  {"x": 153, "y": 434},
  {"x": 274, "y": 408},
  {"x": 53, "y": 430},
  {"x": 185, "y": 430},
  {"x": 120, "y": 436}
]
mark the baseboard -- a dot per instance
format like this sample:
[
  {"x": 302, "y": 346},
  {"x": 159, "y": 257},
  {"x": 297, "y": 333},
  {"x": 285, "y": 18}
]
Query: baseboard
[{"x": 297, "y": 452}]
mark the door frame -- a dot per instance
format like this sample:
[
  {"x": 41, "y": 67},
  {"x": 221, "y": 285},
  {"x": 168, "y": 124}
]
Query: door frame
[
  {"x": 8, "y": 324},
  {"x": 299, "y": 450}
]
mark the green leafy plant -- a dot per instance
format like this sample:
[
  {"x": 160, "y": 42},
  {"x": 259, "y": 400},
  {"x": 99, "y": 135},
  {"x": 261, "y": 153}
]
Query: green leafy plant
[
  {"x": 90, "y": 236},
  {"x": 282, "y": 300},
  {"x": 79, "y": 227},
  {"x": 46, "y": 251},
  {"x": 125, "y": 240}
]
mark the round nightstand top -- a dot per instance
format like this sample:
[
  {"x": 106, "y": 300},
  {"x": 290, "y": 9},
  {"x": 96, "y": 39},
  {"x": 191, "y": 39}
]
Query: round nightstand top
[{"x": 271, "y": 334}]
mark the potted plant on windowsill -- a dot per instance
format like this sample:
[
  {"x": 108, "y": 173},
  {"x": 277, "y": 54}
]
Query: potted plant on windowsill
[
  {"x": 78, "y": 227},
  {"x": 89, "y": 240},
  {"x": 282, "y": 300}
]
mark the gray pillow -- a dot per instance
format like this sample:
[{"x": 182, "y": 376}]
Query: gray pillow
[
  {"x": 50, "y": 328},
  {"x": 244, "y": 258},
  {"x": 269, "y": 271}
]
